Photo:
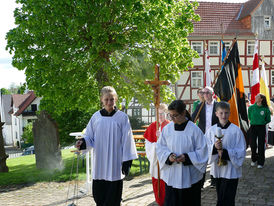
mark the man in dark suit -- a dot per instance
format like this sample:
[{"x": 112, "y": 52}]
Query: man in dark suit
[{"x": 207, "y": 117}]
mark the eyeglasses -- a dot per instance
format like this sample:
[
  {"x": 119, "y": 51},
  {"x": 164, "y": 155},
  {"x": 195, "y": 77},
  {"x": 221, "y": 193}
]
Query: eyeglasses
[
  {"x": 173, "y": 116},
  {"x": 162, "y": 114},
  {"x": 207, "y": 93}
]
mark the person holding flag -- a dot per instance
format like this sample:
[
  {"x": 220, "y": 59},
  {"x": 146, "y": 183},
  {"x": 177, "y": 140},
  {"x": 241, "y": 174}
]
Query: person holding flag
[
  {"x": 151, "y": 135},
  {"x": 259, "y": 116}
]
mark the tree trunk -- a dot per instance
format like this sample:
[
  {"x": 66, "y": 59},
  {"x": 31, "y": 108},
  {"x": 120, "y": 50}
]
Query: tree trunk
[{"x": 3, "y": 156}]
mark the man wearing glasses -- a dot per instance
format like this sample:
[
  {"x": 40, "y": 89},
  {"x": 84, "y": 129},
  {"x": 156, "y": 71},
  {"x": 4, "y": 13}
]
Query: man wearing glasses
[{"x": 207, "y": 116}]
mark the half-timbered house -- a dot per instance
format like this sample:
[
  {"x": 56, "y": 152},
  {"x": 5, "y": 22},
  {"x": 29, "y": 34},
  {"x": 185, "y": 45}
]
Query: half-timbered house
[{"x": 224, "y": 21}]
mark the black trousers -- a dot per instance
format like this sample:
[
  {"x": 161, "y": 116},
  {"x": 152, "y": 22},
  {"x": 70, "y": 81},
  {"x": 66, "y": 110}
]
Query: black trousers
[
  {"x": 258, "y": 132},
  {"x": 226, "y": 191},
  {"x": 107, "y": 193},
  {"x": 183, "y": 197}
]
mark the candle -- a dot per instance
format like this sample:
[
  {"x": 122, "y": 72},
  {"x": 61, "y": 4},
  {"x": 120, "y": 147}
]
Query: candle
[{"x": 218, "y": 132}]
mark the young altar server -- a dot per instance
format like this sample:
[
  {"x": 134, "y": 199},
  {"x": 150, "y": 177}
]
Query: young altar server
[
  {"x": 231, "y": 149},
  {"x": 109, "y": 134},
  {"x": 151, "y": 135},
  {"x": 182, "y": 154}
]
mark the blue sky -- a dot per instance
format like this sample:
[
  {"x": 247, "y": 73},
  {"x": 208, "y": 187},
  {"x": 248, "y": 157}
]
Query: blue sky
[{"x": 8, "y": 74}]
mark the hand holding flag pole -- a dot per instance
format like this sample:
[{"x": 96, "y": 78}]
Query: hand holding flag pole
[{"x": 215, "y": 78}]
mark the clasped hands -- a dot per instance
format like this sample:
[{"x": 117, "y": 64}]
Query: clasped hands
[{"x": 174, "y": 158}]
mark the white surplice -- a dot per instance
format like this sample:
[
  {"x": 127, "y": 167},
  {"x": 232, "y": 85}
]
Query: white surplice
[
  {"x": 112, "y": 142},
  {"x": 234, "y": 142},
  {"x": 152, "y": 157},
  {"x": 190, "y": 141}
]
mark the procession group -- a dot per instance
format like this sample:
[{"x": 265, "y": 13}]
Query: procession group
[{"x": 181, "y": 148}]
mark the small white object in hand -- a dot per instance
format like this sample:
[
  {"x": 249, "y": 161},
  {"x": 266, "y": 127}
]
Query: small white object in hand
[{"x": 218, "y": 132}]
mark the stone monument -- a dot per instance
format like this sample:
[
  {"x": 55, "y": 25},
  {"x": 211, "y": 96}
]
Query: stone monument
[{"x": 46, "y": 143}]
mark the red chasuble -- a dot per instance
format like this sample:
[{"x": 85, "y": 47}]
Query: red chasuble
[{"x": 150, "y": 133}]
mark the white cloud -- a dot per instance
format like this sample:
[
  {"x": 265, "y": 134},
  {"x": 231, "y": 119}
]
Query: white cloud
[{"x": 10, "y": 75}]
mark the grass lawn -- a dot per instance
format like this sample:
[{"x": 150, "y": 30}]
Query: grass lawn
[{"x": 23, "y": 170}]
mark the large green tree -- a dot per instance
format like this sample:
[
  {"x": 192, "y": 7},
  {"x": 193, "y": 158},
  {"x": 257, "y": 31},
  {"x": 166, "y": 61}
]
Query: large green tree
[{"x": 69, "y": 49}]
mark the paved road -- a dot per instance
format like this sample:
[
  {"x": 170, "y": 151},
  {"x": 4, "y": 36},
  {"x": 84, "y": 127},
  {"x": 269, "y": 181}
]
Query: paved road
[{"x": 256, "y": 188}]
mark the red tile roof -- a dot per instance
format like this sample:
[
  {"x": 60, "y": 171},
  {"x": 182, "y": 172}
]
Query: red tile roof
[
  {"x": 213, "y": 14},
  {"x": 22, "y": 101},
  {"x": 18, "y": 99}
]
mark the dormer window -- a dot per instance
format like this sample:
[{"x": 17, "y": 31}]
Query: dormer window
[{"x": 267, "y": 22}]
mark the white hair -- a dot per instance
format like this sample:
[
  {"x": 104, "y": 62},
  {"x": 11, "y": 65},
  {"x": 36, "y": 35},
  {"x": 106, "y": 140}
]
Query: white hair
[{"x": 210, "y": 89}]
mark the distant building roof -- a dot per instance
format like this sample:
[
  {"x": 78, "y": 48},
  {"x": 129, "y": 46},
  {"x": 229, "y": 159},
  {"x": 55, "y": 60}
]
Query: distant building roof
[
  {"x": 22, "y": 101},
  {"x": 220, "y": 18},
  {"x": 6, "y": 103}
]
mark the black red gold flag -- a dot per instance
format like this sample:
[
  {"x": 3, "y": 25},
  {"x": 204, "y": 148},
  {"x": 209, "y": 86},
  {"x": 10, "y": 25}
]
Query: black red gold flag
[{"x": 229, "y": 87}]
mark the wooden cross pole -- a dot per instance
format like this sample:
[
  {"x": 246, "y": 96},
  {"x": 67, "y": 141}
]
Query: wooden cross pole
[{"x": 156, "y": 83}]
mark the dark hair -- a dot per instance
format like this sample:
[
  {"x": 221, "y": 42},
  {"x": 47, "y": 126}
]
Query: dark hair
[
  {"x": 223, "y": 105},
  {"x": 199, "y": 89},
  {"x": 264, "y": 102},
  {"x": 179, "y": 106}
]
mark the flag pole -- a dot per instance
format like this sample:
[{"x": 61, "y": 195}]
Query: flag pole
[
  {"x": 227, "y": 54},
  {"x": 216, "y": 76}
]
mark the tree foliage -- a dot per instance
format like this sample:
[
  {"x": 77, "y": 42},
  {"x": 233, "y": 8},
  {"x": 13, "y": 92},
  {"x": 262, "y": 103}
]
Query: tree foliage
[
  {"x": 72, "y": 121},
  {"x": 70, "y": 49},
  {"x": 13, "y": 89},
  {"x": 27, "y": 135},
  {"x": 5, "y": 91}
]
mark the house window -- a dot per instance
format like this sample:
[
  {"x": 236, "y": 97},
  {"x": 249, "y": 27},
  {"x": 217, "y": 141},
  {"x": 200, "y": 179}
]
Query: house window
[
  {"x": 197, "y": 46},
  {"x": 267, "y": 22},
  {"x": 272, "y": 47},
  {"x": 214, "y": 48},
  {"x": 250, "y": 47},
  {"x": 136, "y": 112},
  {"x": 272, "y": 77},
  {"x": 152, "y": 111},
  {"x": 196, "y": 79},
  {"x": 34, "y": 107}
]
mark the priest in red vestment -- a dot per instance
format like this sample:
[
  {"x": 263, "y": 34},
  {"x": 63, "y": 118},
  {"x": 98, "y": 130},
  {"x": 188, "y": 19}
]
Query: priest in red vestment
[{"x": 151, "y": 135}]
